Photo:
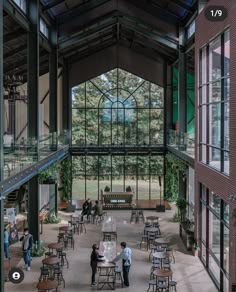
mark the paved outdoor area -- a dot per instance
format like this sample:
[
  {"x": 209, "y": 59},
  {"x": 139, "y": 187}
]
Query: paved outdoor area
[{"x": 187, "y": 271}]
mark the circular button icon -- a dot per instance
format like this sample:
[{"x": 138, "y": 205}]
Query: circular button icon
[{"x": 16, "y": 275}]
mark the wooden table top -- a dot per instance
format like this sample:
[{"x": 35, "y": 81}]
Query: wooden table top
[
  {"x": 106, "y": 265},
  {"x": 51, "y": 261},
  {"x": 162, "y": 273},
  {"x": 47, "y": 285},
  {"x": 161, "y": 241},
  {"x": 55, "y": 245},
  {"x": 152, "y": 218},
  {"x": 159, "y": 255},
  {"x": 65, "y": 228}
]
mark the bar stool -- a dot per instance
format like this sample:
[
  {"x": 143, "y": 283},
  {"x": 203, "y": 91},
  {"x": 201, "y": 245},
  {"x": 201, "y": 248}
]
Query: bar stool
[
  {"x": 144, "y": 242},
  {"x": 140, "y": 215},
  {"x": 133, "y": 216},
  {"x": 44, "y": 274},
  {"x": 118, "y": 275},
  {"x": 63, "y": 258},
  {"x": 57, "y": 275}
]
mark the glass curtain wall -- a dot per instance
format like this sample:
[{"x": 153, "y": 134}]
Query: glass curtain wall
[
  {"x": 117, "y": 108},
  {"x": 214, "y": 82},
  {"x": 94, "y": 173},
  {"x": 214, "y": 236}
]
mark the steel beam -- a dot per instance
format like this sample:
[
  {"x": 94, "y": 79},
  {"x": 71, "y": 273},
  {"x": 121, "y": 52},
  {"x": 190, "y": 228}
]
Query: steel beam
[
  {"x": 33, "y": 208},
  {"x": 91, "y": 32},
  {"x": 53, "y": 69},
  {"x": 33, "y": 70},
  {"x": 13, "y": 35},
  {"x": 79, "y": 10},
  {"x": 15, "y": 12},
  {"x": 14, "y": 52},
  {"x": 148, "y": 33},
  {"x": 2, "y": 277},
  {"x": 65, "y": 96},
  {"x": 181, "y": 155},
  {"x": 183, "y": 5},
  {"x": 52, "y": 4}
]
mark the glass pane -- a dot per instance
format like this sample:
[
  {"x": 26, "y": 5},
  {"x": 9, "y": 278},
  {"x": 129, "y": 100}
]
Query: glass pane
[
  {"x": 203, "y": 123},
  {"x": 215, "y": 59},
  {"x": 78, "y": 95},
  {"x": 215, "y": 91},
  {"x": 215, "y": 202},
  {"x": 104, "y": 130},
  {"x": 79, "y": 164},
  {"x": 214, "y": 269},
  {"x": 226, "y": 162},
  {"x": 157, "y": 96},
  {"x": 143, "y": 164},
  {"x": 203, "y": 253},
  {"x": 78, "y": 188},
  {"x": 204, "y": 193},
  {"x": 104, "y": 181},
  {"x": 130, "y": 180},
  {"x": 131, "y": 128},
  {"x": 203, "y": 221},
  {"x": 214, "y": 235},
  {"x": 91, "y": 165},
  {"x": 92, "y": 127},
  {"x": 214, "y": 158},
  {"x": 143, "y": 187},
  {"x": 156, "y": 126},
  {"x": 226, "y": 249},
  {"x": 130, "y": 165},
  {"x": 226, "y": 212},
  {"x": 214, "y": 124},
  {"x": 118, "y": 183},
  {"x": 155, "y": 187},
  {"x": 226, "y": 88},
  {"x": 203, "y": 153},
  {"x": 92, "y": 187},
  {"x": 104, "y": 164},
  {"x": 128, "y": 81},
  {"x": 106, "y": 81},
  {"x": 93, "y": 95},
  {"x": 226, "y": 126},
  {"x": 143, "y": 126},
  {"x": 142, "y": 95},
  {"x": 156, "y": 165},
  {"x": 226, "y": 284},
  {"x": 117, "y": 165},
  {"x": 227, "y": 53},
  {"x": 202, "y": 73},
  {"x": 78, "y": 126}
]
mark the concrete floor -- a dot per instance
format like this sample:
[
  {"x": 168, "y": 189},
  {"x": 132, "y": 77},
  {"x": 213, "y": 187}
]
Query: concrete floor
[{"x": 188, "y": 270}]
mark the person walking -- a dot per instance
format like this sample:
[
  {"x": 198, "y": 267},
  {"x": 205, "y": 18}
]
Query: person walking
[
  {"x": 27, "y": 242},
  {"x": 6, "y": 243},
  {"x": 125, "y": 255},
  {"x": 97, "y": 210},
  {"x": 94, "y": 259}
]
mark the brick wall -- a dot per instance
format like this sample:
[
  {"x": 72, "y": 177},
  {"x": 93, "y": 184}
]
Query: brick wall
[{"x": 222, "y": 185}]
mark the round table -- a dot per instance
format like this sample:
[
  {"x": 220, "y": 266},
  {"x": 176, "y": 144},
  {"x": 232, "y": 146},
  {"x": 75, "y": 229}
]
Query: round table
[
  {"x": 152, "y": 218},
  {"x": 160, "y": 241},
  {"x": 65, "y": 228},
  {"x": 47, "y": 285},
  {"x": 163, "y": 273},
  {"x": 55, "y": 245},
  {"x": 50, "y": 261}
]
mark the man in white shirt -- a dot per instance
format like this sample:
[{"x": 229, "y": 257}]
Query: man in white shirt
[{"x": 125, "y": 255}]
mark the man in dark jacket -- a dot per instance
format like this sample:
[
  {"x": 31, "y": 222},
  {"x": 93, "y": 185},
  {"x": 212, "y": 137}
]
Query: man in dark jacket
[
  {"x": 94, "y": 259},
  {"x": 27, "y": 242},
  {"x": 97, "y": 210},
  {"x": 86, "y": 208}
]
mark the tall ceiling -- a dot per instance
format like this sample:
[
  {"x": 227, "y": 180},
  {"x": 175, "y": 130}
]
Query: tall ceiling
[{"x": 149, "y": 27}]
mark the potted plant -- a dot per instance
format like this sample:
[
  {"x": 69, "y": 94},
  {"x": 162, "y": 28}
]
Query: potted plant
[
  {"x": 181, "y": 204},
  {"x": 128, "y": 189},
  {"x": 234, "y": 216},
  {"x": 38, "y": 249},
  {"x": 107, "y": 189},
  {"x": 49, "y": 175},
  {"x": 194, "y": 246}
]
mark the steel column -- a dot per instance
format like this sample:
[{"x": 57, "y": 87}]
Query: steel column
[
  {"x": 33, "y": 207},
  {"x": 1, "y": 153},
  {"x": 33, "y": 69},
  {"x": 53, "y": 69},
  {"x": 66, "y": 117},
  {"x": 182, "y": 92}
]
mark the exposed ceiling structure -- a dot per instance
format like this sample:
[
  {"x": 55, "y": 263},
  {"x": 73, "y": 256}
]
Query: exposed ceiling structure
[{"x": 148, "y": 27}]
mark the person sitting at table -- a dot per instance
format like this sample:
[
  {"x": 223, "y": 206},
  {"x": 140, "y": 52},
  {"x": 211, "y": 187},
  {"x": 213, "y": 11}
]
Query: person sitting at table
[
  {"x": 97, "y": 210},
  {"x": 94, "y": 259},
  {"x": 125, "y": 255},
  {"x": 86, "y": 208}
]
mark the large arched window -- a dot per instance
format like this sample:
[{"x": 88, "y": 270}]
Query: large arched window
[{"x": 117, "y": 108}]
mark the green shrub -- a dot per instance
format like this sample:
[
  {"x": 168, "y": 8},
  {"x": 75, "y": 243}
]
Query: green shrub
[
  {"x": 52, "y": 219},
  {"x": 38, "y": 249}
]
